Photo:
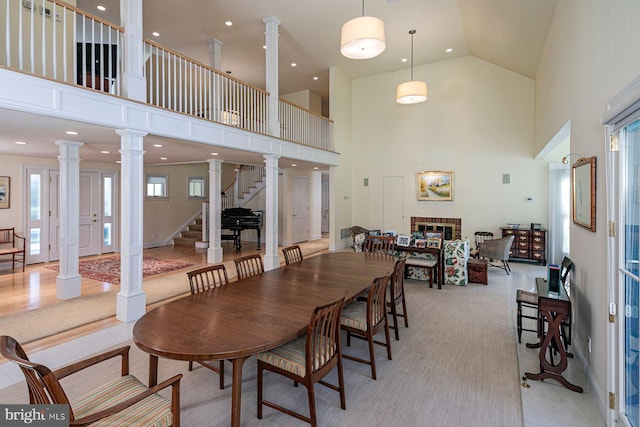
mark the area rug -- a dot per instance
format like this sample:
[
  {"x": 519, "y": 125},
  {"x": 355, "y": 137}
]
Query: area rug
[{"x": 108, "y": 269}]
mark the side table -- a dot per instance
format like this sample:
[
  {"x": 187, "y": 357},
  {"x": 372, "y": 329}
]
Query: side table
[{"x": 477, "y": 270}]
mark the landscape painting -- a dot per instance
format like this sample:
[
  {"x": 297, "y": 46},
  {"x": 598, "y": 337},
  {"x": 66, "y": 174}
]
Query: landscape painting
[{"x": 435, "y": 186}]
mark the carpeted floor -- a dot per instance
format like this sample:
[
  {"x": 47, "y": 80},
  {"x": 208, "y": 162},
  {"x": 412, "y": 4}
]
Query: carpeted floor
[
  {"x": 455, "y": 365},
  {"x": 108, "y": 269}
]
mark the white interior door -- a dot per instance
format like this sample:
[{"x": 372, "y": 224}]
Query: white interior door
[
  {"x": 324, "y": 226},
  {"x": 393, "y": 204},
  {"x": 300, "y": 208},
  {"x": 89, "y": 221}
]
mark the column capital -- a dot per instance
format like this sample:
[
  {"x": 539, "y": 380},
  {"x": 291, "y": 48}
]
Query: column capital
[
  {"x": 272, "y": 20},
  {"x": 131, "y": 132},
  {"x": 216, "y": 162},
  {"x": 64, "y": 142},
  {"x": 272, "y": 160}
]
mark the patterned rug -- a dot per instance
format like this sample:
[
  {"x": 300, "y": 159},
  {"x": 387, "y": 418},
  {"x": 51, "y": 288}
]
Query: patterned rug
[{"x": 108, "y": 269}]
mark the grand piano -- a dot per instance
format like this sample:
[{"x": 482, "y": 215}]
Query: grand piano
[{"x": 238, "y": 219}]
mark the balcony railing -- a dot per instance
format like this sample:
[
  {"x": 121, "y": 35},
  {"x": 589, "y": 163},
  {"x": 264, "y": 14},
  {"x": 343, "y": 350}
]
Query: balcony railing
[{"x": 57, "y": 41}]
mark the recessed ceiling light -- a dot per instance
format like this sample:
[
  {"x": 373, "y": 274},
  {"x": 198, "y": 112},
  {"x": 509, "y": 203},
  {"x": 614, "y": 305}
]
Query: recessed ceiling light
[
  {"x": 316, "y": 168},
  {"x": 163, "y": 158},
  {"x": 104, "y": 152},
  {"x": 156, "y": 34},
  {"x": 214, "y": 154},
  {"x": 101, "y": 8},
  {"x": 118, "y": 161},
  {"x": 315, "y": 77},
  {"x": 294, "y": 165},
  {"x": 449, "y": 50},
  {"x": 264, "y": 46},
  {"x": 71, "y": 132},
  {"x": 21, "y": 143},
  {"x": 293, "y": 64},
  {"x": 157, "y": 145},
  {"x": 228, "y": 23},
  {"x": 404, "y": 60}
]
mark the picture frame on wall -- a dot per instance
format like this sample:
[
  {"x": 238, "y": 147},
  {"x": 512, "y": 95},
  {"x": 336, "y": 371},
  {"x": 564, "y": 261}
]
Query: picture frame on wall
[
  {"x": 435, "y": 185},
  {"x": 5, "y": 192},
  {"x": 583, "y": 193}
]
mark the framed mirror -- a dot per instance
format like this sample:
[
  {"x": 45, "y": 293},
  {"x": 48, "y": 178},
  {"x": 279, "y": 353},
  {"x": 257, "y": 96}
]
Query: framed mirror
[{"x": 583, "y": 193}]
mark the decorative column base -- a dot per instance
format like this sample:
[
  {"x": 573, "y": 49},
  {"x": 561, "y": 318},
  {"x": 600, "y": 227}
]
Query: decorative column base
[
  {"x": 214, "y": 255},
  {"x": 68, "y": 287},
  {"x": 131, "y": 307},
  {"x": 271, "y": 262}
]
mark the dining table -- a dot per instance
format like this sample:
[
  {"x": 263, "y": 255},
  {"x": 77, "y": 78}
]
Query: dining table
[{"x": 243, "y": 318}]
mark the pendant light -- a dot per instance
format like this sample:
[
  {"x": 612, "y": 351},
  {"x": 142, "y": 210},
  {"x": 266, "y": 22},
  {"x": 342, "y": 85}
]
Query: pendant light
[
  {"x": 411, "y": 92},
  {"x": 362, "y": 37}
]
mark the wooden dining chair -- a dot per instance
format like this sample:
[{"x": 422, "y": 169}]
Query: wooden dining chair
[
  {"x": 292, "y": 254},
  {"x": 396, "y": 296},
  {"x": 365, "y": 319},
  {"x": 124, "y": 401},
  {"x": 201, "y": 280},
  {"x": 307, "y": 360},
  {"x": 379, "y": 244},
  {"x": 248, "y": 266}
]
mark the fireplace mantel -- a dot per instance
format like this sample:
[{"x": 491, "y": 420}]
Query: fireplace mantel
[{"x": 450, "y": 227}]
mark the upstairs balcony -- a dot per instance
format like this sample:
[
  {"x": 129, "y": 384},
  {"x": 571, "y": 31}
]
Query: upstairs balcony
[{"x": 60, "y": 42}]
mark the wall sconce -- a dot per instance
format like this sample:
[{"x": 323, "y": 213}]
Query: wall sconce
[{"x": 565, "y": 159}]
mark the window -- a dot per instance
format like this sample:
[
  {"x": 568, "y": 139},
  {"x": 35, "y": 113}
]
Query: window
[
  {"x": 157, "y": 186},
  {"x": 197, "y": 187}
]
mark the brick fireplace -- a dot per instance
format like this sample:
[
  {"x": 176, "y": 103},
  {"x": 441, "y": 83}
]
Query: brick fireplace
[{"x": 451, "y": 227}]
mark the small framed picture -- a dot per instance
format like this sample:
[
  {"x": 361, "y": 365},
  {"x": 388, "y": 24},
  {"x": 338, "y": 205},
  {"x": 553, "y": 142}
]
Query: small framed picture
[
  {"x": 434, "y": 242},
  {"x": 421, "y": 243},
  {"x": 403, "y": 240},
  {"x": 5, "y": 192}
]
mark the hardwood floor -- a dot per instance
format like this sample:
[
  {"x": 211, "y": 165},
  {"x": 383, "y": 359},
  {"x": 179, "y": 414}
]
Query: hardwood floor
[{"x": 36, "y": 287}]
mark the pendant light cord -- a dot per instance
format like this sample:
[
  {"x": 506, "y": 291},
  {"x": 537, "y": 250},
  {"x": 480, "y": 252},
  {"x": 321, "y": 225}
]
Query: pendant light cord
[
  {"x": 412, "y": 32},
  {"x": 362, "y": 7}
]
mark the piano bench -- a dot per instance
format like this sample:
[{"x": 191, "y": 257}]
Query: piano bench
[{"x": 234, "y": 237}]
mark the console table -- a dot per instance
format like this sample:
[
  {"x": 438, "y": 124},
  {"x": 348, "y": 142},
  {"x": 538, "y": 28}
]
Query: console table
[
  {"x": 437, "y": 251},
  {"x": 554, "y": 309}
]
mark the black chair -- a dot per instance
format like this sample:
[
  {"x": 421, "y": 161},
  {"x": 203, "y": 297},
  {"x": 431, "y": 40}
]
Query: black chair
[
  {"x": 529, "y": 300},
  {"x": 480, "y": 237}
]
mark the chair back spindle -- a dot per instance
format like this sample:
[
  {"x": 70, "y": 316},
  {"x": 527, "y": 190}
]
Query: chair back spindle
[
  {"x": 206, "y": 278},
  {"x": 292, "y": 254},
  {"x": 249, "y": 266}
]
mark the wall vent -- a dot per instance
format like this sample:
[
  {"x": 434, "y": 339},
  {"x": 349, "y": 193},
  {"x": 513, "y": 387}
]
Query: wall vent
[{"x": 345, "y": 233}]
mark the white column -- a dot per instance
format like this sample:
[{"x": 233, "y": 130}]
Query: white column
[
  {"x": 131, "y": 302},
  {"x": 134, "y": 85},
  {"x": 68, "y": 281},
  {"x": 271, "y": 36},
  {"x": 215, "y": 53},
  {"x": 271, "y": 257},
  {"x": 214, "y": 254},
  {"x": 315, "y": 206}
]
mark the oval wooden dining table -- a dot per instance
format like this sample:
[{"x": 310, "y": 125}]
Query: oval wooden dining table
[{"x": 246, "y": 317}]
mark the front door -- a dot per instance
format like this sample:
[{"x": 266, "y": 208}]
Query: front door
[{"x": 89, "y": 227}]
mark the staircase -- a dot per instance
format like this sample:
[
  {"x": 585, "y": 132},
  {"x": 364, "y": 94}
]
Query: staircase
[{"x": 190, "y": 236}]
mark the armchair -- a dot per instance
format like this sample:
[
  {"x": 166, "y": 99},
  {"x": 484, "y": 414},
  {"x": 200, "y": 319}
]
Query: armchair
[
  {"x": 497, "y": 249},
  {"x": 456, "y": 256},
  {"x": 357, "y": 237}
]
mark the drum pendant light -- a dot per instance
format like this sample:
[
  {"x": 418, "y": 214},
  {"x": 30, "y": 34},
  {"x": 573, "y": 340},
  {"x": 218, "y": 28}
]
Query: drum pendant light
[
  {"x": 411, "y": 92},
  {"x": 362, "y": 37}
]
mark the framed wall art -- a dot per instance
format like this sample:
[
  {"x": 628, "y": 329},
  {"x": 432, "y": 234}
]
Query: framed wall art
[
  {"x": 583, "y": 193},
  {"x": 403, "y": 241},
  {"x": 5, "y": 188},
  {"x": 435, "y": 185}
]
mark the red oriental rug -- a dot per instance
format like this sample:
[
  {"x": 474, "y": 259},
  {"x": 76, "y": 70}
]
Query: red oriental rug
[{"x": 108, "y": 269}]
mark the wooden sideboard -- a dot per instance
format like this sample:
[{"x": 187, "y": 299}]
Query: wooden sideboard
[{"x": 528, "y": 244}]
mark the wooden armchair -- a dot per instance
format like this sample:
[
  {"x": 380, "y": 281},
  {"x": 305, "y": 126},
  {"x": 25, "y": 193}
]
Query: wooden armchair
[
  {"x": 379, "y": 244},
  {"x": 292, "y": 254},
  {"x": 201, "y": 280},
  {"x": 307, "y": 360},
  {"x": 124, "y": 401},
  {"x": 10, "y": 246},
  {"x": 248, "y": 266}
]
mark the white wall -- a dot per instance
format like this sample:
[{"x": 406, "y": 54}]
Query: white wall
[
  {"x": 591, "y": 53},
  {"x": 477, "y": 122}
]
